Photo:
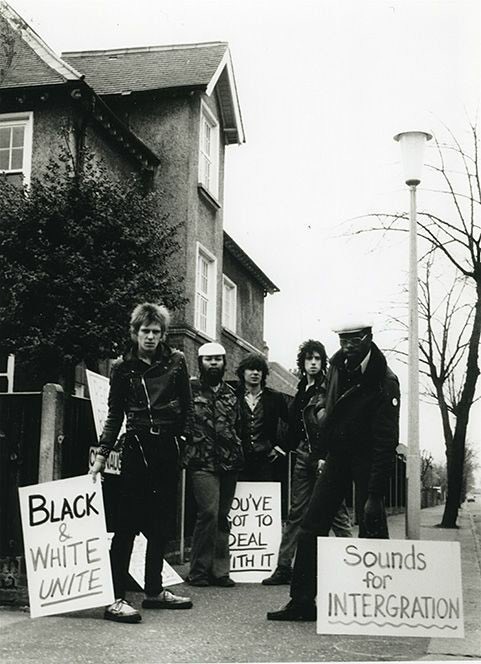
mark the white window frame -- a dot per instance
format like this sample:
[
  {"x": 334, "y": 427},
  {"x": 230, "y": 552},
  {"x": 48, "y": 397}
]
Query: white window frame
[
  {"x": 205, "y": 310},
  {"x": 229, "y": 304},
  {"x": 21, "y": 119},
  {"x": 9, "y": 374},
  {"x": 209, "y": 152}
]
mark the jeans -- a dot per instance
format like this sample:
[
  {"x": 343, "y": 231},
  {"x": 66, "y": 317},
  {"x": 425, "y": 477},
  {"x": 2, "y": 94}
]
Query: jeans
[
  {"x": 330, "y": 490},
  {"x": 147, "y": 503},
  {"x": 303, "y": 480},
  {"x": 213, "y": 493}
]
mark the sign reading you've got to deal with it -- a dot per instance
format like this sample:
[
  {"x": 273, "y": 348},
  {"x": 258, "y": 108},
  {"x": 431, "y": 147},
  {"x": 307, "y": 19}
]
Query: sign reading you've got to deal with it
[
  {"x": 66, "y": 546},
  {"x": 390, "y": 587},
  {"x": 255, "y": 533}
]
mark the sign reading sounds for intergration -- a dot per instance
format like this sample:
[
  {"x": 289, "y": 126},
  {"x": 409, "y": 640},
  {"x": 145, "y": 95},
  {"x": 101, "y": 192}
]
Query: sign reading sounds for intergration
[
  {"x": 66, "y": 546},
  {"x": 255, "y": 533},
  {"x": 99, "y": 395},
  {"x": 389, "y": 587}
]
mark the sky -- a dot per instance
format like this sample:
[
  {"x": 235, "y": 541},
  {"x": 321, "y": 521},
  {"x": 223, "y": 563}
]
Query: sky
[{"x": 323, "y": 85}]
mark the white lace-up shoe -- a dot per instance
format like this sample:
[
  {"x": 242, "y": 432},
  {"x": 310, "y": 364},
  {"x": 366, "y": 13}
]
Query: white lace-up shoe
[
  {"x": 167, "y": 600},
  {"x": 122, "y": 611}
]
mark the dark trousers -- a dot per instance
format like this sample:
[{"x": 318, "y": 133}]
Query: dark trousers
[
  {"x": 331, "y": 488},
  {"x": 213, "y": 493},
  {"x": 147, "y": 504},
  {"x": 303, "y": 481}
]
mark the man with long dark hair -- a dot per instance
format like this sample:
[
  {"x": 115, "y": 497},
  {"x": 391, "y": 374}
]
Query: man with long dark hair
[
  {"x": 311, "y": 392},
  {"x": 261, "y": 409}
]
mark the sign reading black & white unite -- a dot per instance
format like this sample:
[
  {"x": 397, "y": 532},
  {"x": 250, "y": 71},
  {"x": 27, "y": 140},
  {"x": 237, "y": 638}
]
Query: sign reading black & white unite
[
  {"x": 66, "y": 546},
  {"x": 391, "y": 587},
  {"x": 255, "y": 533}
]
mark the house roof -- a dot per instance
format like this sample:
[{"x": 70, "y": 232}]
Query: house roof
[
  {"x": 279, "y": 378},
  {"x": 33, "y": 62},
  {"x": 233, "y": 248},
  {"x": 204, "y": 66}
]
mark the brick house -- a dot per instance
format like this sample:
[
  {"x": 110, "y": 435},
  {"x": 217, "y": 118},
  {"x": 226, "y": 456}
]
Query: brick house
[{"x": 168, "y": 113}]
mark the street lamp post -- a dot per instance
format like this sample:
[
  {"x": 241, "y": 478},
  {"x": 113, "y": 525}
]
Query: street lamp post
[{"x": 412, "y": 147}]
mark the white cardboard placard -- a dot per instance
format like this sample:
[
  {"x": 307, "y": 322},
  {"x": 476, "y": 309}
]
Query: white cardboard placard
[
  {"x": 66, "y": 546},
  {"x": 99, "y": 395},
  {"x": 255, "y": 533},
  {"x": 389, "y": 587},
  {"x": 137, "y": 564}
]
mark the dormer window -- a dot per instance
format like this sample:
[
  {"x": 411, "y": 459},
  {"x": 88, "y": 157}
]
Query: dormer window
[{"x": 209, "y": 152}]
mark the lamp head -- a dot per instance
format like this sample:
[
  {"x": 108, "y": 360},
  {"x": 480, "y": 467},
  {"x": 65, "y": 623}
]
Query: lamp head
[{"x": 412, "y": 150}]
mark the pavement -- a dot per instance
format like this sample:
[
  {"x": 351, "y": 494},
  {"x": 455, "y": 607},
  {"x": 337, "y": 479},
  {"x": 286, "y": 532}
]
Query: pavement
[{"x": 229, "y": 624}]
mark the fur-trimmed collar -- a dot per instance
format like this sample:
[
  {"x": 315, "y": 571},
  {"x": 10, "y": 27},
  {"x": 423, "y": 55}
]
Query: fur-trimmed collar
[{"x": 376, "y": 367}]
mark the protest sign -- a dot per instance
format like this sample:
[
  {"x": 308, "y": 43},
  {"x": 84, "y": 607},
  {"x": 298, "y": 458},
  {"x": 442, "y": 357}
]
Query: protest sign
[
  {"x": 389, "y": 587},
  {"x": 66, "y": 546},
  {"x": 99, "y": 395},
  {"x": 137, "y": 565},
  {"x": 255, "y": 530}
]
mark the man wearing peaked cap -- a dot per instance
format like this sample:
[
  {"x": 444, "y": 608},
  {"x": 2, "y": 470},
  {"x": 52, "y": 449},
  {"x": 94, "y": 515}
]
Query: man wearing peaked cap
[
  {"x": 359, "y": 427},
  {"x": 213, "y": 457}
]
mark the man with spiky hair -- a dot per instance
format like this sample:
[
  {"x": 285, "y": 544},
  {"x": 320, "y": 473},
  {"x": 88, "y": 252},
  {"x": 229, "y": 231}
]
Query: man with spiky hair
[
  {"x": 213, "y": 457},
  {"x": 261, "y": 409},
  {"x": 359, "y": 426},
  {"x": 311, "y": 393},
  {"x": 150, "y": 386}
]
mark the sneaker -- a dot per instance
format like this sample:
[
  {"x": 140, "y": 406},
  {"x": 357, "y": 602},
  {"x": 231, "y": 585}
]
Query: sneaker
[
  {"x": 293, "y": 611},
  {"x": 167, "y": 600},
  {"x": 122, "y": 611},
  {"x": 281, "y": 576},
  {"x": 222, "y": 581}
]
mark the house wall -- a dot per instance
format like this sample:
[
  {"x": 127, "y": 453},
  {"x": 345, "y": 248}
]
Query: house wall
[
  {"x": 169, "y": 123},
  {"x": 250, "y": 302}
]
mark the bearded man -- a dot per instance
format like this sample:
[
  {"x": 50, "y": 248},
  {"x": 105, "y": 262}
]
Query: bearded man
[{"x": 213, "y": 456}]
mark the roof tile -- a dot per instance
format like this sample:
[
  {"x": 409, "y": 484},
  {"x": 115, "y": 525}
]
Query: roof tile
[{"x": 149, "y": 68}]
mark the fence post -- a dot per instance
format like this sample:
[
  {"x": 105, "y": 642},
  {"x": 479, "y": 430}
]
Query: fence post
[{"x": 51, "y": 433}]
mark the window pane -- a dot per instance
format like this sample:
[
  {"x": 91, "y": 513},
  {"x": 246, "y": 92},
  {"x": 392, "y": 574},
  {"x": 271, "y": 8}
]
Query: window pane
[
  {"x": 5, "y": 137},
  {"x": 18, "y": 137},
  {"x": 17, "y": 158},
  {"x": 207, "y": 131},
  {"x": 4, "y": 160}
]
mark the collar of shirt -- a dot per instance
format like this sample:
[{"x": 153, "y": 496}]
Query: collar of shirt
[
  {"x": 362, "y": 366},
  {"x": 252, "y": 399}
]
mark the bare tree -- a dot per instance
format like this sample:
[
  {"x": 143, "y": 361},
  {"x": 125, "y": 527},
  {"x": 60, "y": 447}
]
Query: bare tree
[
  {"x": 426, "y": 469},
  {"x": 471, "y": 464},
  {"x": 449, "y": 352}
]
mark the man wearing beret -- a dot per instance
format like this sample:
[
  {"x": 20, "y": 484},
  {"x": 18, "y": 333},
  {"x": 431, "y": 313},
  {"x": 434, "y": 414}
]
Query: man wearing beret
[{"x": 359, "y": 427}]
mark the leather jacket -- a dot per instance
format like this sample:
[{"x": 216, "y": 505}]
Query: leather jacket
[{"x": 153, "y": 395}]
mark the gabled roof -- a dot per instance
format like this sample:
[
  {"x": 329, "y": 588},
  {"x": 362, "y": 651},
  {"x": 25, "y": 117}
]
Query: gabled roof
[
  {"x": 34, "y": 63},
  {"x": 238, "y": 253},
  {"x": 205, "y": 66}
]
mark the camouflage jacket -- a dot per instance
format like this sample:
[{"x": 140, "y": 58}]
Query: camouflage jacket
[{"x": 214, "y": 443}]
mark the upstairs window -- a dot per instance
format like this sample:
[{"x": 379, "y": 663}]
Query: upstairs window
[
  {"x": 205, "y": 292},
  {"x": 16, "y": 146},
  {"x": 209, "y": 152},
  {"x": 229, "y": 304}
]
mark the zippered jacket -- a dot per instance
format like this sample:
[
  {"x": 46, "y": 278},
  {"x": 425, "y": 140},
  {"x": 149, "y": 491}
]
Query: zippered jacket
[
  {"x": 214, "y": 443},
  {"x": 155, "y": 394}
]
